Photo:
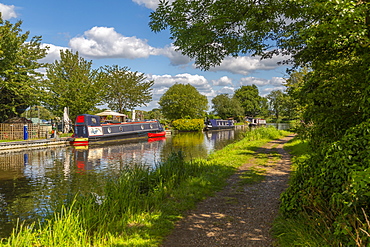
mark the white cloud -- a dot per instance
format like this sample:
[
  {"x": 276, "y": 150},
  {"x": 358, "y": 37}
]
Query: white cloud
[
  {"x": 151, "y": 4},
  {"x": 175, "y": 57},
  {"x": 223, "y": 81},
  {"x": 265, "y": 91},
  {"x": 163, "y": 82},
  {"x": 245, "y": 65},
  {"x": 53, "y": 53},
  {"x": 274, "y": 81},
  {"x": 103, "y": 42},
  {"x": 7, "y": 11},
  {"x": 227, "y": 90}
]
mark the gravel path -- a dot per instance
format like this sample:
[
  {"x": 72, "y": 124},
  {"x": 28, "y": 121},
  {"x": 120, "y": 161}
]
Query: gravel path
[{"x": 239, "y": 215}]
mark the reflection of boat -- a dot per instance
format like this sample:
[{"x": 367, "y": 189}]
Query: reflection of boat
[
  {"x": 114, "y": 156},
  {"x": 154, "y": 139},
  {"x": 216, "y": 124},
  {"x": 88, "y": 128},
  {"x": 158, "y": 134}
]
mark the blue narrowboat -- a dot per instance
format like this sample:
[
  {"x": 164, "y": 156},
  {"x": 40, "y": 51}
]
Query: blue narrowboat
[
  {"x": 89, "y": 128},
  {"x": 217, "y": 124}
]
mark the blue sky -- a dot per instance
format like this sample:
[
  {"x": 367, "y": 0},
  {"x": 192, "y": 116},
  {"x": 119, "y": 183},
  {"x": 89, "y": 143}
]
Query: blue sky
[{"x": 116, "y": 32}]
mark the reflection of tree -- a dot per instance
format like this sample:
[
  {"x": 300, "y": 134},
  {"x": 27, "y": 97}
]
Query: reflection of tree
[
  {"x": 187, "y": 139},
  {"x": 191, "y": 143},
  {"x": 12, "y": 191}
]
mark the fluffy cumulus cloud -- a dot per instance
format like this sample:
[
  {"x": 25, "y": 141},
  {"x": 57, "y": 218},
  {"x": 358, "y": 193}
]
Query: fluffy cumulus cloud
[
  {"x": 163, "y": 82},
  {"x": 53, "y": 53},
  {"x": 7, "y": 11},
  {"x": 105, "y": 42},
  {"x": 223, "y": 81},
  {"x": 246, "y": 65},
  {"x": 274, "y": 81},
  {"x": 175, "y": 57},
  {"x": 265, "y": 91},
  {"x": 151, "y": 4},
  {"x": 227, "y": 90}
]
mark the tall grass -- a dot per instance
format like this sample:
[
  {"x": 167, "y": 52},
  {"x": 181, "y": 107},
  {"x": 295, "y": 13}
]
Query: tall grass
[{"x": 140, "y": 206}]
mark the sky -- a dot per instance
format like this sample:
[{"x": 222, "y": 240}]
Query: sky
[{"x": 116, "y": 32}]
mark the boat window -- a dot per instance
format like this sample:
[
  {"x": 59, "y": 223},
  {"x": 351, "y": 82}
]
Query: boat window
[{"x": 93, "y": 120}]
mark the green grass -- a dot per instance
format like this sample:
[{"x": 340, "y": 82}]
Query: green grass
[
  {"x": 302, "y": 231},
  {"x": 141, "y": 205}
]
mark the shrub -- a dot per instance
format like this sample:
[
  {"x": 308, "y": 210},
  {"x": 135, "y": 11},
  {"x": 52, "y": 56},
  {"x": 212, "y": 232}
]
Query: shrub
[
  {"x": 334, "y": 186},
  {"x": 188, "y": 124}
]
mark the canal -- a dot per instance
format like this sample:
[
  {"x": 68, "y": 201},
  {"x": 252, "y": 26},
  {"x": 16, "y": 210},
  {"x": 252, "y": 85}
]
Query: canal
[{"x": 33, "y": 182}]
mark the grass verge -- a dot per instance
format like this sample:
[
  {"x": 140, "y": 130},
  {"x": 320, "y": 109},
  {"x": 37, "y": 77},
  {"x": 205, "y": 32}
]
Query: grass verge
[{"x": 141, "y": 205}]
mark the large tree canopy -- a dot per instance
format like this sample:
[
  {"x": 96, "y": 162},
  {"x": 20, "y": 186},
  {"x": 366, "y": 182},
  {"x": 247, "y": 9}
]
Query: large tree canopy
[
  {"x": 251, "y": 101},
  {"x": 125, "y": 90},
  {"x": 183, "y": 101},
  {"x": 211, "y": 30},
  {"x": 72, "y": 83},
  {"x": 225, "y": 106},
  {"x": 19, "y": 81},
  {"x": 309, "y": 30}
]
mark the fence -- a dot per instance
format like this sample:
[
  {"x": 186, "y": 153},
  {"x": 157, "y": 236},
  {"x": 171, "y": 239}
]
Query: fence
[{"x": 15, "y": 131}]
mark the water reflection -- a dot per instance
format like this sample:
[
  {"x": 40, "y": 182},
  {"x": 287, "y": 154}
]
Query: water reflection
[
  {"x": 32, "y": 182},
  {"x": 280, "y": 126}
]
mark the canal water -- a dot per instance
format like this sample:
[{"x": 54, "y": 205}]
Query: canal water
[{"x": 33, "y": 181}]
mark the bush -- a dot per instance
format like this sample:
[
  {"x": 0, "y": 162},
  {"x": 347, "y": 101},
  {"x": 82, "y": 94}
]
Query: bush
[
  {"x": 188, "y": 124},
  {"x": 334, "y": 186}
]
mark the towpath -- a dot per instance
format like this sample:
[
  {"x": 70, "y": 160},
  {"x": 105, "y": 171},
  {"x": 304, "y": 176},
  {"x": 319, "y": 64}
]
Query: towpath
[{"x": 239, "y": 215}]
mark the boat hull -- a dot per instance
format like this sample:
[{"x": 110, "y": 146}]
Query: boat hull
[
  {"x": 158, "y": 134},
  {"x": 89, "y": 126},
  {"x": 79, "y": 141}
]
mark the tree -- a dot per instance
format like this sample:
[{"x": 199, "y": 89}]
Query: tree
[
  {"x": 249, "y": 98},
  {"x": 282, "y": 105},
  {"x": 154, "y": 114},
  {"x": 72, "y": 83},
  {"x": 183, "y": 101},
  {"x": 210, "y": 30},
  {"x": 226, "y": 107},
  {"x": 19, "y": 82},
  {"x": 125, "y": 90},
  {"x": 275, "y": 98}
]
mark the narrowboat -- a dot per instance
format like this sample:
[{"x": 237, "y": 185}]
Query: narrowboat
[
  {"x": 217, "y": 124},
  {"x": 89, "y": 129},
  {"x": 256, "y": 121}
]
